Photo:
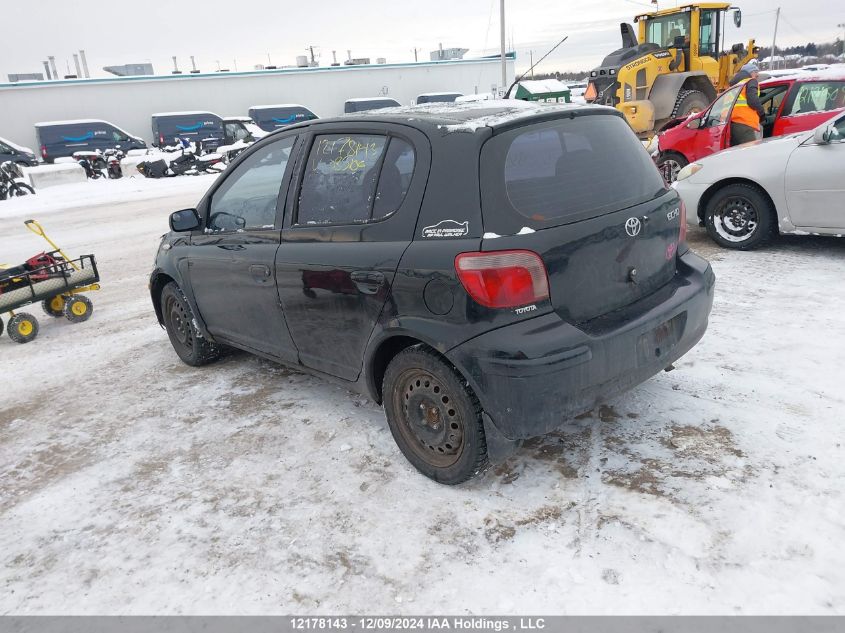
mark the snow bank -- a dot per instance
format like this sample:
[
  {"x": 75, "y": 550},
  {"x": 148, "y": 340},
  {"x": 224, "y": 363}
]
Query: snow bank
[{"x": 44, "y": 176}]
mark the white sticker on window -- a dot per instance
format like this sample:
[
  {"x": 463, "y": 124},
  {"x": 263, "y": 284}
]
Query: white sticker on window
[{"x": 447, "y": 228}]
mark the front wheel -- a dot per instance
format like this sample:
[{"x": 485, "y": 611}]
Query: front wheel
[
  {"x": 434, "y": 417},
  {"x": 689, "y": 102},
  {"x": 78, "y": 308},
  {"x": 20, "y": 189},
  {"x": 739, "y": 216},
  {"x": 186, "y": 339},
  {"x": 669, "y": 164}
]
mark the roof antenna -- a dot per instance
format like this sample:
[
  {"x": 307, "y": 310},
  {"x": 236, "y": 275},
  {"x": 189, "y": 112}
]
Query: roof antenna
[{"x": 518, "y": 79}]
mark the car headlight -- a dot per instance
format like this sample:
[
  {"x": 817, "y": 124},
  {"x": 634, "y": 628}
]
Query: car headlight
[{"x": 689, "y": 170}]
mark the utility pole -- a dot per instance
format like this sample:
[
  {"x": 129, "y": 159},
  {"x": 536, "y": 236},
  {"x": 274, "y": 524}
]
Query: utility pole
[
  {"x": 842, "y": 26},
  {"x": 774, "y": 39},
  {"x": 504, "y": 64},
  {"x": 531, "y": 56},
  {"x": 415, "y": 55}
]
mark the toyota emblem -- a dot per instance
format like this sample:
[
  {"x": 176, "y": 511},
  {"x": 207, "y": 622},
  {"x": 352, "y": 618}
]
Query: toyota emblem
[{"x": 633, "y": 226}]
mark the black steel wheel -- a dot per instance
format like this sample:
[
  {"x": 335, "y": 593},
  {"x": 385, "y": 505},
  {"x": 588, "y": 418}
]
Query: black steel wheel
[
  {"x": 434, "y": 416},
  {"x": 669, "y": 164},
  {"x": 1, "y": 327},
  {"x": 78, "y": 308},
  {"x": 54, "y": 307},
  {"x": 739, "y": 216},
  {"x": 23, "y": 328},
  {"x": 187, "y": 341}
]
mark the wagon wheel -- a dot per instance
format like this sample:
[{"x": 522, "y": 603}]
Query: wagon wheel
[
  {"x": 23, "y": 328},
  {"x": 78, "y": 308},
  {"x": 54, "y": 307}
]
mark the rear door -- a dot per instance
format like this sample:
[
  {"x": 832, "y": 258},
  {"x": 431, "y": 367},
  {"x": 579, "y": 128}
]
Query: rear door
[
  {"x": 231, "y": 263},
  {"x": 815, "y": 182},
  {"x": 359, "y": 193},
  {"x": 585, "y": 196},
  {"x": 809, "y": 104}
]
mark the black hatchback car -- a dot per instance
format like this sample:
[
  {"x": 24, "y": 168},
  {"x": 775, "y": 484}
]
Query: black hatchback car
[{"x": 487, "y": 271}]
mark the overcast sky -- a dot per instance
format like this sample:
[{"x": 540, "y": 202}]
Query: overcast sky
[{"x": 243, "y": 33}]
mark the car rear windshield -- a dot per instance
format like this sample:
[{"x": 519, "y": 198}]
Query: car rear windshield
[{"x": 563, "y": 171}]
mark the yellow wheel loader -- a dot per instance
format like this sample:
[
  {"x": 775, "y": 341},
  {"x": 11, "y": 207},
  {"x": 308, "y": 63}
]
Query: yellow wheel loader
[{"x": 674, "y": 67}]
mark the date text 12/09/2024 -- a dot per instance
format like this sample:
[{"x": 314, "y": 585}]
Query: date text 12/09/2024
[{"x": 410, "y": 623}]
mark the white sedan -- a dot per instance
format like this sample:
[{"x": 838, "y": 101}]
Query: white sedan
[{"x": 790, "y": 185}]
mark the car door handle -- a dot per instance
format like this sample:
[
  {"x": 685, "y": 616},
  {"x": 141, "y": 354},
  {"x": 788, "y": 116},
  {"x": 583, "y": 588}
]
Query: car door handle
[
  {"x": 260, "y": 273},
  {"x": 368, "y": 281}
]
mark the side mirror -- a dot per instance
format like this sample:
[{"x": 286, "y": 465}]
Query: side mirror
[
  {"x": 184, "y": 220},
  {"x": 822, "y": 135},
  {"x": 696, "y": 123},
  {"x": 737, "y": 18}
]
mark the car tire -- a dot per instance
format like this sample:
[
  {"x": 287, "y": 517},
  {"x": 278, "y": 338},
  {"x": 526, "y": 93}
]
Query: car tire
[
  {"x": 434, "y": 416},
  {"x": 739, "y": 216},
  {"x": 669, "y": 164},
  {"x": 689, "y": 102},
  {"x": 187, "y": 341},
  {"x": 54, "y": 306},
  {"x": 23, "y": 328}
]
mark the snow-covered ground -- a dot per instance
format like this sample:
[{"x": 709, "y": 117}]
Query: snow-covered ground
[{"x": 131, "y": 483}]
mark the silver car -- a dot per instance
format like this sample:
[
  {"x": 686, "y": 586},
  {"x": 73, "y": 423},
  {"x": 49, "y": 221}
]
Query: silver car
[{"x": 792, "y": 184}]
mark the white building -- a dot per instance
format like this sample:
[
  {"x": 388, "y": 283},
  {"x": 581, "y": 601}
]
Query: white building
[{"x": 128, "y": 102}]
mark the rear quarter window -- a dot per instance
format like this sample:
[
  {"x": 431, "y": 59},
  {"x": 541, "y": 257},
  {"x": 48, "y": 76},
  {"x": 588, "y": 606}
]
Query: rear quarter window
[{"x": 563, "y": 171}]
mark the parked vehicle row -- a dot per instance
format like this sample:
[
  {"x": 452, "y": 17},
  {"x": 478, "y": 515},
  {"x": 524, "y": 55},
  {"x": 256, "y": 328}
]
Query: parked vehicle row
[
  {"x": 796, "y": 103},
  {"x": 461, "y": 269},
  {"x": 793, "y": 184},
  {"x": 57, "y": 139}
]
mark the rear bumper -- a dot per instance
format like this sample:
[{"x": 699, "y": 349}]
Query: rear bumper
[{"x": 533, "y": 376}]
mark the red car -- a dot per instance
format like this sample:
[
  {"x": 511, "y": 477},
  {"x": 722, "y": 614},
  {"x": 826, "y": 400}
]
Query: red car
[{"x": 796, "y": 103}]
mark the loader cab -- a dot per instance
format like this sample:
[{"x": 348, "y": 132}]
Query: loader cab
[{"x": 692, "y": 34}]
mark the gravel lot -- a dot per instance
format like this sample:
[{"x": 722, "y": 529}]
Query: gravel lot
[{"x": 131, "y": 483}]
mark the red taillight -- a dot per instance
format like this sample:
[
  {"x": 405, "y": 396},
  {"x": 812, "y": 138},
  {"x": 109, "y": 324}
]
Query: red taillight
[
  {"x": 44, "y": 152},
  {"x": 161, "y": 140},
  {"x": 682, "y": 234},
  {"x": 503, "y": 279}
]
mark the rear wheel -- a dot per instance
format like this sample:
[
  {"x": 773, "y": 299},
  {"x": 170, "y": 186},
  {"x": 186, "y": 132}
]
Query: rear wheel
[
  {"x": 669, "y": 164},
  {"x": 739, "y": 216},
  {"x": 690, "y": 102},
  {"x": 54, "y": 307},
  {"x": 23, "y": 328},
  {"x": 78, "y": 308},
  {"x": 178, "y": 317},
  {"x": 434, "y": 417}
]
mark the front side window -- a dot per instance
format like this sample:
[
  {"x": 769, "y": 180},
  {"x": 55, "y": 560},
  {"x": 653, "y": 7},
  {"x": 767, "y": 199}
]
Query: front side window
[
  {"x": 817, "y": 96},
  {"x": 721, "y": 108},
  {"x": 339, "y": 183},
  {"x": 663, "y": 31},
  {"x": 5, "y": 149},
  {"x": 771, "y": 98},
  {"x": 247, "y": 198},
  {"x": 119, "y": 136}
]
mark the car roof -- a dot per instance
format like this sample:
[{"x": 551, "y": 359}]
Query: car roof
[
  {"x": 825, "y": 74},
  {"x": 471, "y": 116}
]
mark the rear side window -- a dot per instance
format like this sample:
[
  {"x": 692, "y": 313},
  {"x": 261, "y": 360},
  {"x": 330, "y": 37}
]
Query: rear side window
[
  {"x": 247, "y": 198},
  {"x": 394, "y": 179},
  {"x": 340, "y": 179},
  {"x": 564, "y": 171},
  {"x": 817, "y": 96}
]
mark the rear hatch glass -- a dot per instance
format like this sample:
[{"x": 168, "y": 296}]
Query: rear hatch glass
[{"x": 583, "y": 193}]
